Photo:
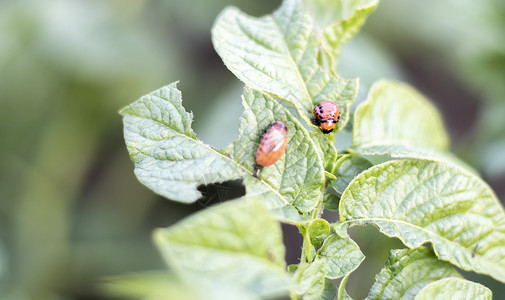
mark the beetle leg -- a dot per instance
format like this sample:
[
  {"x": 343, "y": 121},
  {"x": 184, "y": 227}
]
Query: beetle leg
[{"x": 256, "y": 168}]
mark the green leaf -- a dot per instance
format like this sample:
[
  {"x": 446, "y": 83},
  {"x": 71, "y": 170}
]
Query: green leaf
[
  {"x": 292, "y": 268},
  {"x": 348, "y": 167},
  {"x": 147, "y": 285},
  {"x": 340, "y": 256},
  {"x": 454, "y": 289},
  {"x": 405, "y": 151},
  {"x": 168, "y": 158},
  {"x": 318, "y": 230},
  {"x": 342, "y": 293},
  {"x": 396, "y": 114},
  {"x": 326, "y": 149},
  {"x": 331, "y": 201},
  {"x": 297, "y": 179},
  {"x": 278, "y": 54},
  {"x": 172, "y": 162},
  {"x": 337, "y": 21},
  {"x": 423, "y": 201},
  {"x": 329, "y": 291},
  {"x": 236, "y": 245},
  {"x": 407, "y": 271},
  {"x": 310, "y": 281}
]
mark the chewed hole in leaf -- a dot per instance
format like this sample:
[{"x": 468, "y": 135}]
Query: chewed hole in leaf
[
  {"x": 215, "y": 193},
  {"x": 329, "y": 215},
  {"x": 368, "y": 237}
]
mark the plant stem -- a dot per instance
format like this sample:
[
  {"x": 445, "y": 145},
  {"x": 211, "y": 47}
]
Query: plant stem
[{"x": 306, "y": 249}]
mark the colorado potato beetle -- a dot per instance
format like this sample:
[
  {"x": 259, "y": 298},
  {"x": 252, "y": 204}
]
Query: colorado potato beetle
[
  {"x": 272, "y": 146},
  {"x": 326, "y": 115}
]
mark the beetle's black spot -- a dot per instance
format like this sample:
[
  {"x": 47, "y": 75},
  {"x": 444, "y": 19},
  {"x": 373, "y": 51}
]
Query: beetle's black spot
[
  {"x": 321, "y": 111},
  {"x": 326, "y": 131}
]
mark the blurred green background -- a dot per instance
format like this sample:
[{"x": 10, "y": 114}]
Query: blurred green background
[{"x": 71, "y": 210}]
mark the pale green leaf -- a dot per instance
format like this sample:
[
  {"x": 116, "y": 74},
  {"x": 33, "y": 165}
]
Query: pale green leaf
[
  {"x": 172, "y": 162},
  {"x": 407, "y": 271},
  {"x": 454, "y": 289},
  {"x": 326, "y": 149},
  {"x": 297, "y": 178},
  {"x": 310, "y": 281},
  {"x": 275, "y": 202},
  {"x": 236, "y": 246},
  {"x": 337, "y": 21},
  {"x": 340, "y": 256},
  {"x": 168, "y": 158},
  {"x": 406, "y": 151},
  {"x": 348, "y": 167},
  {"x": 278, "y": 54},
  {"x": 399, "y": 122},
  {"x": 396, "y": 114},
  {"x": 149, "y": 286},
  {"x": 423, "y": 201}
]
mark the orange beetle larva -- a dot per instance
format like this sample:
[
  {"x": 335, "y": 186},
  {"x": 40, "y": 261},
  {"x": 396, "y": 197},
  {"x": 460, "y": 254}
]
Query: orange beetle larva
[
  {"x": 327, "y": 115},
  {"x": 272, "y": 146}
]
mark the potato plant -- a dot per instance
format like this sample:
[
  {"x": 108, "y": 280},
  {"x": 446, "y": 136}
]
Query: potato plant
[{"x": 398, "y": 174}]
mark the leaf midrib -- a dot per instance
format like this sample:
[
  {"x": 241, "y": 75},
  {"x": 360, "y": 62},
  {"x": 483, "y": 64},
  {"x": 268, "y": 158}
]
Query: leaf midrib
[{"x": 291, "y": 60}]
